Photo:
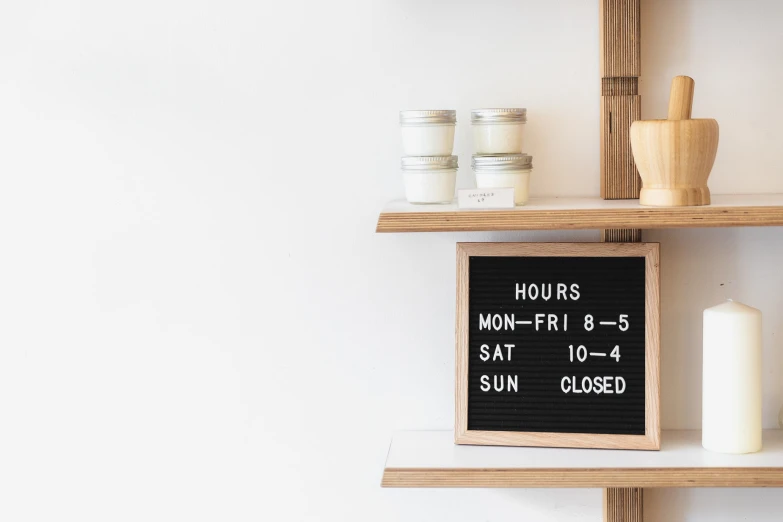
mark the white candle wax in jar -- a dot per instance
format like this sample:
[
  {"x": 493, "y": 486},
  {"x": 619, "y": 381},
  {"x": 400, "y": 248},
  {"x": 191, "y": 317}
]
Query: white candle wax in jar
[
  {"x": 505, "y": 170},
  {"x": 429, "y": 179},
  {"x": 428, "y": 133},
  {"x": 731, "y": 385},
  {"x": 498, "y": 131}
]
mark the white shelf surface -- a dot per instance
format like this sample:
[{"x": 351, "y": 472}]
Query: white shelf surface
[
  {"x": 595, "y": 203},
  {"x": 431, "y": 459}
]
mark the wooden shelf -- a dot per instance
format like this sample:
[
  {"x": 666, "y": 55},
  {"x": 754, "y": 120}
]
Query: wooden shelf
[
  {"x": 584, "y": 213},
  {"x": 422, "y": 459}
]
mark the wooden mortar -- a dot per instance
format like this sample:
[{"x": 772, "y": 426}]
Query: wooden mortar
[{"x": 675, "y": 156}]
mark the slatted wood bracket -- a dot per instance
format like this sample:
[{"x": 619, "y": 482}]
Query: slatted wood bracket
[
  {"x": 619, "y": 176},
  {"x": 623, "y": 505},
  {"x": 620, "y": 42},
  {"x": 621, "y": 235}
]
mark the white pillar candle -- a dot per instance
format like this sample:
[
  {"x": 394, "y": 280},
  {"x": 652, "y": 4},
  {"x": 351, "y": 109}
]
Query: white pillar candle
[{"x": 731, "y": 386}]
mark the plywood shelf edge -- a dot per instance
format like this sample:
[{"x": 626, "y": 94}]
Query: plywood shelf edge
[{"x": 584, "y": 213}]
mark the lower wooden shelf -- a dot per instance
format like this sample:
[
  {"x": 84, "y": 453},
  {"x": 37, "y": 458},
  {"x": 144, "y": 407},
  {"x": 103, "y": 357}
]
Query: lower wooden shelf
[{"x": 430, "y": 459}]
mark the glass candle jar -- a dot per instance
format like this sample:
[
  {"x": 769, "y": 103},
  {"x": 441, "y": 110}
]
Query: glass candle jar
[
  {"x": 498, "y": 131},
  {"x": 505, "y": 170},
  {"x": 428, "y": 133},
  {"x": 429, "y": 179}
]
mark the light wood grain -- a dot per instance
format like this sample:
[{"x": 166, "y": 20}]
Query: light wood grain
[
  {"x": 623, "y": 505},
  {"x": 674, "y": 160},
  {"x": 621, "y": 235},
  {"x": 619, "y": 176},
  {"x": 619, "y": 86},
  {"x": 681, "y": 98},
  {"x": 651, "y": 440},
  {"x": 584, "y": 478},
  {"x": 675, "y": 156},
  {"x": 620, "y": 52},
  {"x": 584, "y": 213},
  {"x": 652, "y": 348},
  {"x": 462, "y": 338},
  {"x": 620, "y": 38},
  {"x": 647, "y": 250}
]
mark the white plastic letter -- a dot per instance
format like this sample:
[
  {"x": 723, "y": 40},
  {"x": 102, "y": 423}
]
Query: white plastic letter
[
  {"x": 539, "y": 320},
  {"x": 497, "y": 322},
  {"x": 552, "y": 322},
  {"x": 589, "y": 387},
  {"x": 485, "y": 322}
]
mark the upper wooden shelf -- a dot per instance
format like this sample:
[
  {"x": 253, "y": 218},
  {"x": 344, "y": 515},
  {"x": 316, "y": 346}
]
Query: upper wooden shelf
[
  {"x": 584, "y": 213},
  {"x": 419, "y": 459}
]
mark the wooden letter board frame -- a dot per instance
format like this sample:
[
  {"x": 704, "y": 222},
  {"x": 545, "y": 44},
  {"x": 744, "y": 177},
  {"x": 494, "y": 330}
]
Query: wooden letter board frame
[{"x": 651, "y": 440}]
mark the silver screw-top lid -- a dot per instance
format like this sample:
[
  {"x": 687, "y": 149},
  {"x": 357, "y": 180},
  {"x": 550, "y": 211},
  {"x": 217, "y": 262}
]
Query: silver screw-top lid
[
  {"x": 498, "y": 116},
  {"x": 429, "y": 162},
  {"x": 432, "y": 117},
  {"x": 500, "y": 162}
]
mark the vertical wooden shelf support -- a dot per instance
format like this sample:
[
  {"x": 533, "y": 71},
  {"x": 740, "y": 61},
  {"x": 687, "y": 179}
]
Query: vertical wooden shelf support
[
  {"x": 621, "y": 66},
  {"x": 623, "y": 505},
  {"x": 619, "y": 176},
  {"x": 621, "y": 235},
  {"x": 620, "y": 42}
]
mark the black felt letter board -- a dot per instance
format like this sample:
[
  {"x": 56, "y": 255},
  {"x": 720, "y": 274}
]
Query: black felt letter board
[{"x": 550, "y": 380}]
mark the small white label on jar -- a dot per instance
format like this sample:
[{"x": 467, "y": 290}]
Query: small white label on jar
[{"x": 486, "y": 198}]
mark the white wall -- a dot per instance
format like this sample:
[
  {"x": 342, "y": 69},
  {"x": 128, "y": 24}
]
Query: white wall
[{"x": 197, "y": 321}]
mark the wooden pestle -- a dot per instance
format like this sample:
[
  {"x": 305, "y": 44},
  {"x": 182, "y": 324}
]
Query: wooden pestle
[{"x": 681, "y": 98}]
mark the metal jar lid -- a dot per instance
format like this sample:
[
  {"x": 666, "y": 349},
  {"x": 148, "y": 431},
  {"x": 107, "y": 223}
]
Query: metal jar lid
[
  {"x": 498, "y": 116},
  {"x": 429, "y": 162},
  {"x": 502, "y": 162},
  {"x": 437, "y": 117}
]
